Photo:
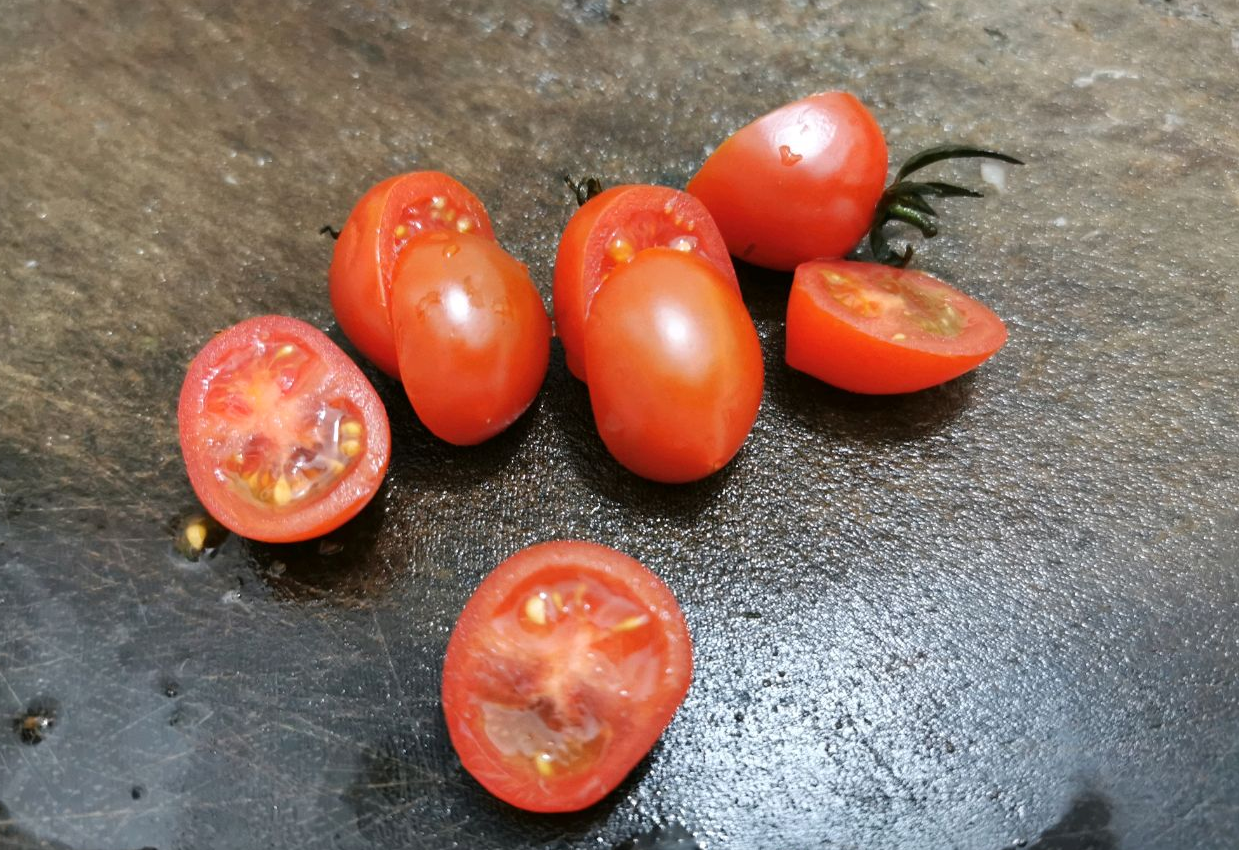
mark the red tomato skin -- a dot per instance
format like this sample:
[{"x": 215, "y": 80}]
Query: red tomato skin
[
  {"x": 583, "y": 244},
  {"x": 797, "y": 184},
  {"x": 364, "y": 259},
  {"x": 675, "y": 367},
  {"x": 472, "y": 336},
  {"x": 823, "y": 341},
  {"x": 350, "y": 494},
  {"x": 462, "y": 660}
]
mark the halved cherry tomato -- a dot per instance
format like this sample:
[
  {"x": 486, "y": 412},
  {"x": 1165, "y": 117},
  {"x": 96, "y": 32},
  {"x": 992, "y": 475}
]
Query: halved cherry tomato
[
  {"x": 799, "y": 183},
  {"x": 283, "y": 437},
  {"x": 384, "y": 221},
  {"x": 471, "y": 334},
  {"x": 675, "y": 368},
  {"x": 611, "y": 229},
  {"x": 563, "y": 670},
  {"x": 871, "y": 328}
]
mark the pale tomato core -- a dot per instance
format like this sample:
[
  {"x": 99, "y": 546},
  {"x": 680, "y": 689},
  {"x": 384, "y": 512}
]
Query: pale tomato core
[
  {"x": 575, "y": 648},
  {"x": 273, "y": 442}
]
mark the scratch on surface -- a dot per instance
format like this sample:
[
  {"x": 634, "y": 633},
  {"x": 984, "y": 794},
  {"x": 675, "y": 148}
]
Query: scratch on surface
[{"x": 391, "y": 665}]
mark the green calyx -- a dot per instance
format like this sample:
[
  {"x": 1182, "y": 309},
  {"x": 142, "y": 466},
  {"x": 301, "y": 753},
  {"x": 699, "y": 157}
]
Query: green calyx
[{"x": 905, "y": 200}]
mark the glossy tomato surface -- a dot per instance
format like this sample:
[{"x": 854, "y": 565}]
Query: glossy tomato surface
[
  {"x": 471, "y": 335},
  {"x": 675, "y": 368},
  {"x": 799, "y": 183},
  {"x": 563, "y": 670},
  {"x": 283, "y": 437},
  {"x": 608, "y": 232},
  {"x": 385, "y": 220},
  {"x": 871, "y": 328}
]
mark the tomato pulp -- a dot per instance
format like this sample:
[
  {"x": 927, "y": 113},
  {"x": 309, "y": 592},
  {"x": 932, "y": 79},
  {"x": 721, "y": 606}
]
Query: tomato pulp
[
  {"x": 675, "y": 366},
  {"x": 283, "y": 437},
  {"x": 471, "y": 335},
  {"x": 870, "y": 328},
  {"x": 799, "y": 183},
  {"x": 386, "y": 219},
  {"x": 563, "y": 670},
  {"x": 607, "y": 232}
]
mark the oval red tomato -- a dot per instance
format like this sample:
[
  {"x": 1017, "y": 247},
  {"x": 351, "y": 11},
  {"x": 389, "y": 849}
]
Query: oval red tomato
[
  {"x": 797, "y": 184},
  {"x": 675, "y": 368},
  {"x": 385, "y": 220},
  {"x": 563, "y": 670},
  {"x": 471, "y": 334},
  {"x": 870, "y": 328},
  {"x": 607, "y": 232},
  {"x": 283, "y": 437}
]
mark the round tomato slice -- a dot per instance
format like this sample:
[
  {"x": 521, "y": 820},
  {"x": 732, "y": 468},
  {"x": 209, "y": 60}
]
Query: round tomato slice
[
  {"x": 675, "y": 367},
  {"x": 870, "y": 328},
  {"x": 283, "y": 437},
  {"x": 609, "y": 231},
  {"x": 797, "y": 184},
  {"x": 563, "y": 670},
  {"x": 385, "y": 220},
  {"x": 472, "y": 336}
]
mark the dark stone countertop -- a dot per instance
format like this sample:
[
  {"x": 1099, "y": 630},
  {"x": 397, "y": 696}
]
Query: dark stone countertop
[{"x": 999, "y": 611}]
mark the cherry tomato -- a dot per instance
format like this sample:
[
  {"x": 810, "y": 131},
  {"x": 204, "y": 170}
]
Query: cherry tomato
[
  {"x": 283, "y": 436},
  {"x": 797, "y": 184},
  {"x": 871, "y": 328},
  {"x": 472, "y": 336},
  {"x": 675, "y": 368},
  {"x": 611, "y": 229},
  {"x": 384, "y": 221},
  {"x": 563, "y": 670}
]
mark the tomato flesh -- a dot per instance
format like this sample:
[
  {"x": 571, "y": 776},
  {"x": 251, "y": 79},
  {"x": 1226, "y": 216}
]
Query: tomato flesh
[
  {"x": 472, "y": 336},
  {"x": 386, "y": 219},
  {"x": 608, "y": 232},
  {"x": 283, "y": 437},
  {"x": 870, "y": 328},
  {"x": 563, "y": 670},
  {"x": 675, "y": 367},
  {"x": 797, "y": 184}
]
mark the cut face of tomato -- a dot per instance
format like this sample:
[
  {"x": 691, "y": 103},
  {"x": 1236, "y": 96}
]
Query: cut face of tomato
[
  {"x": 608, "y": 232},
  {"x": 562, "y": 672},
  {"x": 387, "y": 218},
  {"x": 283, "y": 437},
  {"x": 870, "y": 328}
]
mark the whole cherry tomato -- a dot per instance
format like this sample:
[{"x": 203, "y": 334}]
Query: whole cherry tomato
[
  {"x": 283, "y": 436},
  {"x": 563, "y": 670},
  {"x": 471, "y": 335},
  {"x": 607, "y": 232},
  {"x": 386, "y": 219},
  {"x": 675, "y": 368},
  {"x": 799, "y": 183},
  {"x": 871, "y": 328}
]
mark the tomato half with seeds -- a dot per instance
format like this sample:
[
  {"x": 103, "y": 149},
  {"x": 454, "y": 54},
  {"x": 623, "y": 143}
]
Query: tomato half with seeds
[
  {"x": 797, "y": 184},
  {"x": 562, "y": 672},
  {"x": 283, "y": 437},
  {"x": 870, "y": 328},
  {"x": 675, "y": 367},
  {"x": 386, "y": 219},
  {"x": 607, "y": 232},
  {"x": 472, "y": 336}
]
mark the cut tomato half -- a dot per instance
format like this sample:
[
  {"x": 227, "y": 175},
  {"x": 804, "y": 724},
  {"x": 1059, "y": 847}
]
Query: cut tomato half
[
  {"x": 283, "y": 437},
  {"x": 563, "y": 670}
]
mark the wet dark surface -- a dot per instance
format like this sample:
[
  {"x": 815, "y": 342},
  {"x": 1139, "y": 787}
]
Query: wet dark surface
[{"x": 1000, "y": 613}]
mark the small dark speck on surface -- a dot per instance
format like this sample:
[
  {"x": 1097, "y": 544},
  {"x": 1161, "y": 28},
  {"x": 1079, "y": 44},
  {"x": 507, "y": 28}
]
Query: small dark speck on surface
[{"x": 35, "y": 723}]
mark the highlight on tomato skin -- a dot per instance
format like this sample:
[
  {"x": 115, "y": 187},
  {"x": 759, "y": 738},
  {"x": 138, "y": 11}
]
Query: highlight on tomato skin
[
  {"x": 283, "y": 437},
  {"x": 391, "y": 215},
  {"x": 607, "y": 232},
  {"x": 472, "y": 336},
  {"x": 563, "y": 670},
  {"x": 870, "y": 328},
  {"x": 799, "y": 183},
  {"x": 675, "y": 367}
]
